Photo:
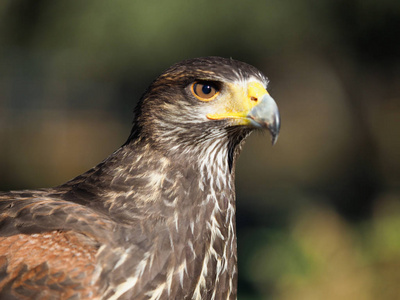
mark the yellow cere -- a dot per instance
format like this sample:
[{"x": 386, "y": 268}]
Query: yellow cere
[
  {"x": 239, "y": 102},
  {"x": 256, "y": 89}
]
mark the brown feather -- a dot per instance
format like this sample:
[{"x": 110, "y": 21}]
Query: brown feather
[{"x": 47, "y": 265}]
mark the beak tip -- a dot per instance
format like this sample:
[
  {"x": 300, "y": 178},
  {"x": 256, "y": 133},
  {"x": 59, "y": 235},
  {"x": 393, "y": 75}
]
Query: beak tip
[
  {"x": 274, "y": 131},
  {"x": 274, "y": 138},
  {"x": 274, "y": 128}
]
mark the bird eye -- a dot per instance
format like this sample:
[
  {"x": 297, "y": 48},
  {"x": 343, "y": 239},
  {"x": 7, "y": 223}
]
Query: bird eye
[{"x": 205, "y": 91}]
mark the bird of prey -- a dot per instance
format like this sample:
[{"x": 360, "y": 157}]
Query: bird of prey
[{"x": 156, "y": 219}]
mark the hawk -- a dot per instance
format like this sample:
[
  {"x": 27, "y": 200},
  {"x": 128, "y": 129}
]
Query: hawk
[{"x": 156, "y": 219}]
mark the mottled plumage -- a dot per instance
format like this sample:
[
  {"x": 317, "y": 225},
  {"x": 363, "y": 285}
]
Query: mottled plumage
[{"x": 156, "y": 219}]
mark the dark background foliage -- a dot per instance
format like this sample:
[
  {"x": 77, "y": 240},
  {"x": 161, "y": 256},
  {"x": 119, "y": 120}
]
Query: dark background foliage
[{"x": 319, "y": 213}]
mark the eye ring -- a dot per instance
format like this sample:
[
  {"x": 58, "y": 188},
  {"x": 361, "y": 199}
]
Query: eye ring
[{"x": 204, "y": 90}]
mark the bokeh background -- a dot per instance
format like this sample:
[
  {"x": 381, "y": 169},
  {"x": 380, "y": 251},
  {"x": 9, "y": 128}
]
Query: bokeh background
[{"x": 319, "y": 213}]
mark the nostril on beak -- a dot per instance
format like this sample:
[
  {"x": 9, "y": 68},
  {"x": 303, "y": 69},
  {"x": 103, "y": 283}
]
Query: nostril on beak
[{"x": 254, "y": 99}]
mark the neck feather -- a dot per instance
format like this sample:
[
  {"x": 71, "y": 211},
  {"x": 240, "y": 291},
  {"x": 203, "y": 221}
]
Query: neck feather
[{"x": 147, "y": 176}]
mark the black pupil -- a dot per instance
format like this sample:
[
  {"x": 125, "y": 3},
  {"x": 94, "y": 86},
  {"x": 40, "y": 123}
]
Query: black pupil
[{"x": 206, "y": 89}]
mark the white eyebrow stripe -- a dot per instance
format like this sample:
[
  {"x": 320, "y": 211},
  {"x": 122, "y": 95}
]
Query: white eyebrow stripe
[{"x": 245, "y": 81}]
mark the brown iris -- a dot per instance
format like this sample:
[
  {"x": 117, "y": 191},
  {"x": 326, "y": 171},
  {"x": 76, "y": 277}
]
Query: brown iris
[{"x": 205, "y": 91}]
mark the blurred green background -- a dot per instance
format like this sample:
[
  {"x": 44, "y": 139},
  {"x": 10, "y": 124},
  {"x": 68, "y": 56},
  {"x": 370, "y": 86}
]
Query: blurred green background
[{"x": 319, "y": 213}]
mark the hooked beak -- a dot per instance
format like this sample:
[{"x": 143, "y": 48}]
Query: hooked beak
[{"x": 266, "y": 115}]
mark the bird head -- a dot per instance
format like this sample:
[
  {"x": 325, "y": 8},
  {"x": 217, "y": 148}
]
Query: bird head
[{"x": 203, "y": 99}]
